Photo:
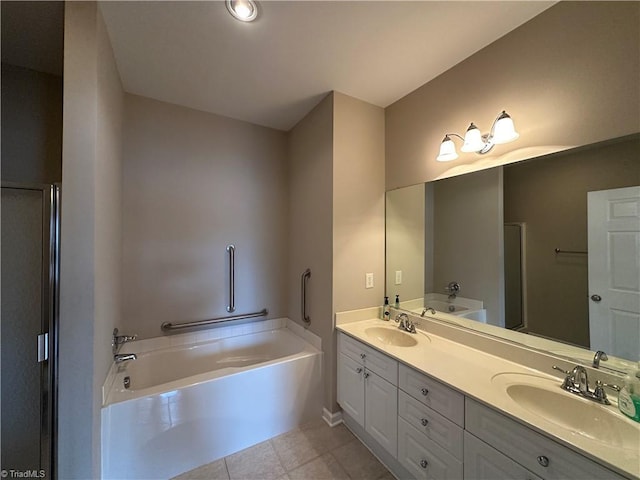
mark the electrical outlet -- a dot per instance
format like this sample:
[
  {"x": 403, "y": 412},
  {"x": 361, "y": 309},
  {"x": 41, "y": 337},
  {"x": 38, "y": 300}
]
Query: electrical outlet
[
  {"x": 398, "y": 277},
  {"x": 368, "y": 280}
]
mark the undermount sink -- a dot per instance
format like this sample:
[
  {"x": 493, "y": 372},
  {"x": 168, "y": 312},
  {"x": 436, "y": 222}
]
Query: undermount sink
[
  {"x": 544, "y": 398},
  {"x": 392, "y": 336}
]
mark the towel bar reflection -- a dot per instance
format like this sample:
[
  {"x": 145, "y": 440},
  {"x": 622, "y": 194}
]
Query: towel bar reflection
[
  {"x": 303, "y": 300},
  {"x": 578, "y": 252},
  {"x": 232, "y": 273}
]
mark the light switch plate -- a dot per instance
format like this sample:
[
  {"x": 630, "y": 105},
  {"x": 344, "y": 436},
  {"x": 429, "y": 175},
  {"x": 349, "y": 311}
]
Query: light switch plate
[{"x": 398, "y": 277}]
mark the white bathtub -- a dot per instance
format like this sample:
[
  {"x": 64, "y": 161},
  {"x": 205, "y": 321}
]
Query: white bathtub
[{"x": 192, "y": 404}]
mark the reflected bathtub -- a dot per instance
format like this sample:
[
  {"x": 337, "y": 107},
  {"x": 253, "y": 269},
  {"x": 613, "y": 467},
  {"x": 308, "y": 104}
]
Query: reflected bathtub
[{"x": 192, "y": 404}]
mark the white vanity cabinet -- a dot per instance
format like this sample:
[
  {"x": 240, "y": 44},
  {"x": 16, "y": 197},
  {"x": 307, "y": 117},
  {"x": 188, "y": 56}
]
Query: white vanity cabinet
[
  {"x": 483, "y": 462},
  {"x": 367, "y": 390},
  {"x": 430, "y": 434},
  {"x": 532, "y": 451}
]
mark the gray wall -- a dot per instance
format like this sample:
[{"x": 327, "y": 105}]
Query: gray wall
[
  {"x": 550, "y": 196},
  {"x": 310, "y": 167},
  {"x": 193, "y": 183},
  {"x": 468, "y": 237},
  {"x": 90, "y": 243},
  {"x": 568, "y": 77},
  {"x": 31, "y": 126}
]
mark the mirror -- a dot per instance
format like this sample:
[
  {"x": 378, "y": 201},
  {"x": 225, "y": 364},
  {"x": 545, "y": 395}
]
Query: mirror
[{"x": 545, "y": 252}]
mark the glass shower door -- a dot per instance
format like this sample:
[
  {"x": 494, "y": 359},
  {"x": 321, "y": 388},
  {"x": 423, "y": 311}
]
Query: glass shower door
[{"x": 29, "y": 273}]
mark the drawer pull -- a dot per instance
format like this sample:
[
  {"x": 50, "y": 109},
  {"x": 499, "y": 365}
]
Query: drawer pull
[
  {"x": 362, "y": 355},
  {"x": 544, "y": 461},
  {"x": 424, "y": 391},
  {"x": 366, "y": 375},
  {"x": 424, "y": 463},
  {"x": 424, "y": 422},
  {"x": 359, "y": 370}
]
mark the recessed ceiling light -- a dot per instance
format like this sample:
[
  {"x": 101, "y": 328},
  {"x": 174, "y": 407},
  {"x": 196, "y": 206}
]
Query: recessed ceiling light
[{"x": 243, "y": 10}]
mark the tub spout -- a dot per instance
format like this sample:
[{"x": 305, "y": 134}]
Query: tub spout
[{"x": 123, "y": 357}]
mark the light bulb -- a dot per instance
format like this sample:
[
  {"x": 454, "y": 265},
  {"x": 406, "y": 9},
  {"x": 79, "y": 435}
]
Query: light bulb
[
  {"x": 472, "y": 140},
  {"x": 504, "y": 130},
  {"x": 447, "y": 150},
  {"x": 243, "y": 10}
]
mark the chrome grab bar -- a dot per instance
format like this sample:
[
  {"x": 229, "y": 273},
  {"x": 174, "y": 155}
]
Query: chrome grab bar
[
  {"x": 232, "y": 280},
  {"x": 303, "y": 288},
  {"x": 203, "y": 323}
]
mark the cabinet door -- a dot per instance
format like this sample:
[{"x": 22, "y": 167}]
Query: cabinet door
[
  {"x": 483, "y": 462},
  {"x": 351, "y": 388},
  {"x": 381, "y": 411}
]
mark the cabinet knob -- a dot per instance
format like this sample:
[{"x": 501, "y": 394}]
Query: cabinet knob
[
  {"x": 359, "y": 370},
  {"x": 366, "y": 375},
  {"x": 424, "y": 463},
  {"x": 424, "y": 422},
  {"x": 544, "y": 461},
  {"x": 362, "y": 355},
  {"x": 424, "y": 391}
]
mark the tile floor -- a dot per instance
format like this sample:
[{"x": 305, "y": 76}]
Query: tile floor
[{"x": 313, "y": 451}]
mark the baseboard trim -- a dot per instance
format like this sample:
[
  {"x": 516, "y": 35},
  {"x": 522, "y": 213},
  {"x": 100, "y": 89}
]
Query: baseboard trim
[{"x": 332, "y": 419}]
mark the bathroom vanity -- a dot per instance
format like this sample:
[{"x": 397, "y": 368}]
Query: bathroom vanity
[{"x": 432, "y": 406}]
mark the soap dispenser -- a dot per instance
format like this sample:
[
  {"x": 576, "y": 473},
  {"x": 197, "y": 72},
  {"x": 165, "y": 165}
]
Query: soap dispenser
[
  {"x": 386, "y": 310},
  {"x": 629, "y": 396},
  {"x": 397, "y": 304}
]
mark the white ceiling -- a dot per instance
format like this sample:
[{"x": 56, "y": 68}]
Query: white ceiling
[{"x": 273, "y": 71}]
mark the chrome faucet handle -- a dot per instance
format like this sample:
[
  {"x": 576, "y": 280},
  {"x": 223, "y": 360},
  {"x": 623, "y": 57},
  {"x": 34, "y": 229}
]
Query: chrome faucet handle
[
  {"x": 611, "y": 386},
  {"x": 555, "y": 367},
  {"x": 401, "y": 317},
  {"x": 598, "y": 357},
  {"x": 600, "y": 395}
]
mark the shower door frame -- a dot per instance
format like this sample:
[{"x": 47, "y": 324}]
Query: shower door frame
[{"x": 49, "y": 316}]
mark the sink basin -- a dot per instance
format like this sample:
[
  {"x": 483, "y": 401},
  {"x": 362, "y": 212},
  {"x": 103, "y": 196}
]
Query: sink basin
[
  {"x": 544, "y": 398},
  {"x": 392, "y": 336}
]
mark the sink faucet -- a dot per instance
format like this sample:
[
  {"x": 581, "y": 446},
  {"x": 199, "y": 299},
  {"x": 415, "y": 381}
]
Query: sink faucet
[
  {"x": 577, "y": 382},
  {"x": 118, "y": 340},
  {"x": 123, "y": 357},
  {"x": 599, "y": 356},
  {"x": 405, "y": 323}
]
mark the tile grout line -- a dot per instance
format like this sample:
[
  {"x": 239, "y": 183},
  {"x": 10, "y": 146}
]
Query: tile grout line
[{"x": 275, "y": 450}]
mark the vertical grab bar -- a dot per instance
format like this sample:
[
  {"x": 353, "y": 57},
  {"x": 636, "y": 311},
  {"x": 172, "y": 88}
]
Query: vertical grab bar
[
  {"x": 232, "y": 267},
  {"x": 303, "y": 288}
]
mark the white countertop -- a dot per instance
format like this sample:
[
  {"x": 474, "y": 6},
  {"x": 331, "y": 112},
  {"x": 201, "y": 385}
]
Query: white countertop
[{"x": 471, "y": 372}]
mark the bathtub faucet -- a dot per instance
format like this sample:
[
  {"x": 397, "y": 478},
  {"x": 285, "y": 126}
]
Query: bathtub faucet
[
  {"x": 123, "y": 357},
  {"x": 453, "y": 288},
  {"x": 118, "y": 340}
]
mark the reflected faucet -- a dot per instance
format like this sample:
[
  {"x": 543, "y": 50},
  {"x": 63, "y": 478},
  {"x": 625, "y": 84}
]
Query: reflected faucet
[
  {"x": 599, "y": 356},
  {"x": 428, "y": 309},
  {"x": 453, "y": 288}
]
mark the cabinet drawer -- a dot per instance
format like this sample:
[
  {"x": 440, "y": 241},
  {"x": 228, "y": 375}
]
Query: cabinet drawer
[
  {"x": 433, "y": 425},
  {"x": 525, "y": 446},
  {"x": 483, "y": 462},
  {"x": 371, "y": 358},
  {"x": 424, "y": 458},
  {"x": 432, "y": 393}
]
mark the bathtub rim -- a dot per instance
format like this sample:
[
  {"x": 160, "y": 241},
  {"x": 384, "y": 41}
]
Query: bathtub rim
[{"x": 110, "y": 390}]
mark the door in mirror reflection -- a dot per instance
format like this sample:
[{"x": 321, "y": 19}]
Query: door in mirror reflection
[{"x": 614, "y": 271}]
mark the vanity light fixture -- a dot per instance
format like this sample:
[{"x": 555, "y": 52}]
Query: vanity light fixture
[
  {"x": 243, "y": 10},
  {"x": 502, "y": 131}
]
